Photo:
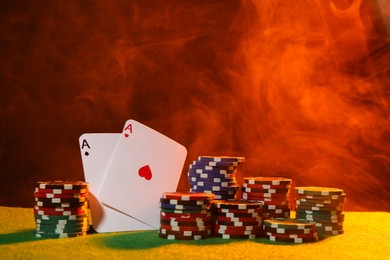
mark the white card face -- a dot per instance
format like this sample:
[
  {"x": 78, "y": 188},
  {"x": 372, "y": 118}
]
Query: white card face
[
  {"x": 96, "y": 152},
  {"x": 145, "y": 164}
]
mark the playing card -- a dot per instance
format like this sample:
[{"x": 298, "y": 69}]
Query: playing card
[
  {"x": 145, "y": 164},
  {"x": 96, "y": 152}
]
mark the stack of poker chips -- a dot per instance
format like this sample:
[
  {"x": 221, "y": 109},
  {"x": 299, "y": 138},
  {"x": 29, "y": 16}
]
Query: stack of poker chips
[
  {"x": 61, "y": 209},
  {"x": 237, "y": 219},
  {"x": 216, "y": 175},
  {"x": 322, "y": 205},
  {"x": 185, "y": 216},
  {"x": 290, "y": 230},
  {"x": 271, "y": 192}
]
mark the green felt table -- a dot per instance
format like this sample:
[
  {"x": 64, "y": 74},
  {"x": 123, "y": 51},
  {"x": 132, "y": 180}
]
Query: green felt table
[{"x": 367, "y": 236}]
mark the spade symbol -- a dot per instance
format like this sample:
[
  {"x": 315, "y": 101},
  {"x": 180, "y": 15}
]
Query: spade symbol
[{"x": 86, "y": 153}]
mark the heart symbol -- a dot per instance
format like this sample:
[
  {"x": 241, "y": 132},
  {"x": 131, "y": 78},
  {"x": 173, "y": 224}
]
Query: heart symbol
[
  {"x": 145, "y": 172},
  {"x": 126, "y": 135}
]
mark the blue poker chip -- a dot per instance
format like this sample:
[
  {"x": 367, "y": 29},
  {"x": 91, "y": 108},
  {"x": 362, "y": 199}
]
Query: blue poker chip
[
  {"x": 217, "y": 165},
  {"x": 217, "y": 188},
  {"x": 192, "y": 177},
  {"x": 212, "y": 183},
  {"x": 183, "y": 207},
  {"x": 238, "y": 159},
  {"x": 211, "y": 169},
  {"x": 202, "y": 175},
  {"x": 216, "y": 180},
  {"x": 225, "y": 192}
]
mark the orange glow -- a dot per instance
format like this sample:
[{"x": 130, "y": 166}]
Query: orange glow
[{"x": 300, "y": 88}]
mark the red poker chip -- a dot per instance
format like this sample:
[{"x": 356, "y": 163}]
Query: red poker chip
[
  {"x": 271, "y": 191},
  {"x": 266, "y": 195},
  {"x": 292, "y": 240},
  {"x": 185, "y": 202},
  {"x": 179, "y": 237},
  {"x": 62, "y": 196},
  {"x": 275, "y": 207},
  {"x": 242, "y": 232},
  {"x": 246, "y": 211},
  {"x": 178, "y": 228},
  {"x": 239, "y": 223},
  {"x": 268, "y": 180},
  {"x": 227, "y": 236},
  {"x": 289, "y": 231},
  {"x": 275, "y": 215},
  {"x": 182, "y": 196},
  {"x": 238, "y": 215},
  {"x": 235, "y": 228},
  {"x": 292, "y": 235},
  {"x": 184, "y": 215},
  {"x": 185, "y": 224},
  {"x": 253, "y": 219},
  {"x": 61, "y": 209},
  {"x": 265, "y": 186},
  {"x": 264, "y": 200},
  {"x": 205, "y": 219},
  {"x": 184, "y": 233},
  {"x": 236, "y": 204},
  {"x": 60, "y": 191}
]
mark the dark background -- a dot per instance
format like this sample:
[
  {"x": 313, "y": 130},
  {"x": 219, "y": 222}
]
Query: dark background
[{"x": 300, "y": 89}]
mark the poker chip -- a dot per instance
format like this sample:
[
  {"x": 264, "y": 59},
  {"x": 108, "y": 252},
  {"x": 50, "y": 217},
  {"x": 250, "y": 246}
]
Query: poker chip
[
  {"x": 181, "y": 196},
  {"x": 236, "y": 204},
  {"x": 231, "y": 232},
  {"x": 61, "y": 209},
  {"x": 292, "y": 240},
  {"x": 184, "y": 233},
  {"x": 185, "y": 216},
  {"x": 289, "y": 223},
  {"x": 215, "y": 175},
  {"x": 272, "y": 192},
  {"x": 237, "y": 219},
  {"x": 228, "y": 236},
  {"x": 62, "y": 185},
  {"x": 179, "y": 223},
  {"x": 266, "y": 186},
  {"x": 61, "y": 191},
  {"x": 289, "y": 231},
  {"x": 322, "y": 205},
  {"x": 186, "y": 228},
  {"x": 80, "y": 196},
  {"x": 202, "y": 215},
  {"x": 182, "y": 237},
  {"x": 319, "y": 191},
  {"x": 54, "y": 235},
  {"x": 221, "y": 159},
  {"x": 267, "y": 180},
  {"x": 183, "y": 207}
]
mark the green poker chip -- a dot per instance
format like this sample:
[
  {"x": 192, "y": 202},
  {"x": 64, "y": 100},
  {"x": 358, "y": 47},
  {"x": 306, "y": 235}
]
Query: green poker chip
[
  {"x": 40, "y": 234},
  {"x": 289, "y": 223},
  {"x": 318, "y": 191}
]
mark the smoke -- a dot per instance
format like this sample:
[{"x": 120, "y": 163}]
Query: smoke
[{"x": 300, "y": 89}]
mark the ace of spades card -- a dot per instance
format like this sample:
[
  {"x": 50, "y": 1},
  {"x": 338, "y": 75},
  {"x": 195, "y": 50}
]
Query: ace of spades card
[
  {"x": 144, "y": 164},
  {"x": 96, "y": 152}
]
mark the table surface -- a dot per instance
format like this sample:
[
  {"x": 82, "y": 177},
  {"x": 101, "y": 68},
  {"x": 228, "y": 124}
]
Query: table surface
[{"x": 367, "y": 236}]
